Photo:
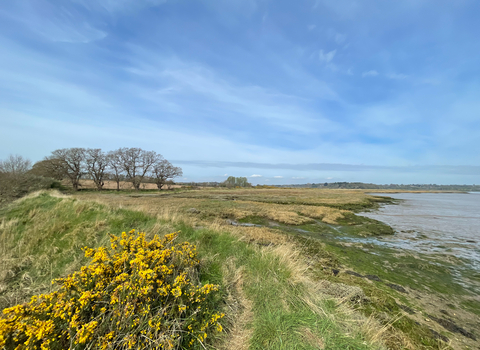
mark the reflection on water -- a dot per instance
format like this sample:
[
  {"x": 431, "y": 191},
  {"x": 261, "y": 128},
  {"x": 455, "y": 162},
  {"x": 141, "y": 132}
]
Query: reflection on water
[{"x": 447, "y": 223}]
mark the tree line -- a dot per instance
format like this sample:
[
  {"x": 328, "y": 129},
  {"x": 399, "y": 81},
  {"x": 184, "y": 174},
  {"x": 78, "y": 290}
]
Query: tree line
[{"x": 134, "y": 165}]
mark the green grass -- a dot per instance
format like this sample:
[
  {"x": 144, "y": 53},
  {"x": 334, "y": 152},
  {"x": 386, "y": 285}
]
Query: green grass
[
  {"x": 256, "y": 220},
  {"x": 41, "y": 239},
  {"x": 280, "y": 314},
  {"x": 363, "y": 226},
  {"x": 472, "y": 306}
]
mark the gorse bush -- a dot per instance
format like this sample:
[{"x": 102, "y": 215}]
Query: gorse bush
[{"x": 138, "y": 294}]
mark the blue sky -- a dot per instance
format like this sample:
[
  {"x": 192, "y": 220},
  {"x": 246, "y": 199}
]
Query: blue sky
[{"x": 279, "y": 91}]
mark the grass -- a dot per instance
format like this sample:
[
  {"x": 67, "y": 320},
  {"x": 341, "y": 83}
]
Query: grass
[
  {"x": 282, "y": 304},
  {"x": 279, "y": 285},
  {"x": 270, "y": 302},
  {"x": 41, "y": 238},
  {"x": 323, "y": 218}
]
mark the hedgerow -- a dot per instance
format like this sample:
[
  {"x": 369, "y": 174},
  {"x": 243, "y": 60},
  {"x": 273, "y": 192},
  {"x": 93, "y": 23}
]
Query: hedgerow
[{"x": 137, "y": 294}]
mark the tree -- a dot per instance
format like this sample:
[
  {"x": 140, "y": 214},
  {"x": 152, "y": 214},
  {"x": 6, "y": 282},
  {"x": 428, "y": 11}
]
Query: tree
[
  {"x": 241, "y": 182},
  {"x": 115, "y": 164},
  {"x": 52, "y": 168},
  {"x": 233, "y": 181},
  {"x": 72, "y": 161},
  {"x": 163, "y": 170},
  {"x": 12, "y": 176},
  {"x": 136, "y": 163},
  {"x": 230, "y": 182},
  {"x": 15, "y": 165},
  {"x": 16, "y": 180},
  {"x": 96, "y": 163}
]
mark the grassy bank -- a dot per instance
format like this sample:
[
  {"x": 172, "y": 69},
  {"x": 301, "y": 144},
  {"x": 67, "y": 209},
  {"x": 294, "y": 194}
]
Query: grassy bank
[
  {"x": 418, "y": 299},
  {"x": 294, "y": 271},
  {"x": 270, "y": 300}
]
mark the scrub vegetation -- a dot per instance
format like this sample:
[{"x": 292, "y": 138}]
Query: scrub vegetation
[{"x": 286, "y": 276}]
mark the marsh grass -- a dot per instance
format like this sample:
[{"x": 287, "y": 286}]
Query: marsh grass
[
  {"x": 273, "y": 278},
  {"x": 270, "y": 302}
]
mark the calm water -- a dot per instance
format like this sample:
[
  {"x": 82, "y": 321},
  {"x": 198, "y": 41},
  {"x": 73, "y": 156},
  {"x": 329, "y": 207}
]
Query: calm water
[{"x": 441, "y": 223}]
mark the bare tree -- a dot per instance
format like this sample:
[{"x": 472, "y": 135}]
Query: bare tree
[
  {"x": 15, "y": 165},
  {"x": 73, "y": 162},
  {"x": 136, "y": 163},
  {"x": 164, "y": 170},
  {"x": 96, "y": 163},
  {"x": 115, "y": 165}
]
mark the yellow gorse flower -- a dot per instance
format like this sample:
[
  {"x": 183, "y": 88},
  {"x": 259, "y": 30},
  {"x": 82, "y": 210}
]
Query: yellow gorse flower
[{"x": 136, "y": 294}]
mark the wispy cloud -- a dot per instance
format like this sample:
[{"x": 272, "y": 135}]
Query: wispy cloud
[
  {"x": 370, "y": 73},
  {"x": 119, "y": 6},
  {"x": 337, "y": 37},
  {"x": 397, "y": 76},
  {"x": 208, "y": 91},
  {"x": 54, "y": 22},
  {"x": 326, "y": 57}
]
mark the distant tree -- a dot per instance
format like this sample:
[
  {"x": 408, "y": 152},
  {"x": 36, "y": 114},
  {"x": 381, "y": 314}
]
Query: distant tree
[
  {"x": 230, "y": 181},
  {"x": 96, "y": 163},
  {"x": 72, "y": 161},
  {"x": 163, "y": 170},
  {"x": 115, "y": 166},
  {"x": 242, "y": 182},
  {"x": 136, "y": 163},
  {"x": 15, "y": 165},
  {"x": 233, "y": 181},
  {"x": 52, "y": 168}
]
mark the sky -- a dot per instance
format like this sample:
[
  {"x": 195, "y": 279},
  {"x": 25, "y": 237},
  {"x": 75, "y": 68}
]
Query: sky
[{"x": 283, "y": 92}]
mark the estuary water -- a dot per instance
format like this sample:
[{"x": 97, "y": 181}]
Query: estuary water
[{"x": 437, "y": 223}]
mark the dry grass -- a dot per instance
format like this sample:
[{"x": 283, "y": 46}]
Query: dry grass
[
  {"x": 248, "y": 203},
  {"x": 259, "y": 235},
  {"x": 241, "y": 309},
  {"x": 312, "y": 339},
  {"x": 317, "y": 292},
  {"x": 326, "y": 214},
  {"x": 303, "y": 196},
  {"x": 51, "y": 193}
]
